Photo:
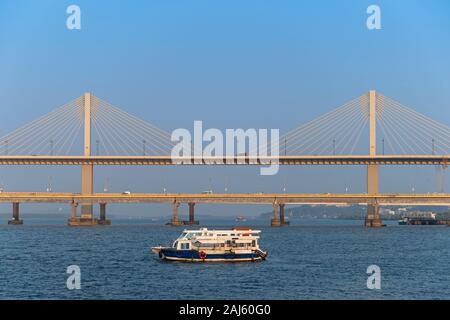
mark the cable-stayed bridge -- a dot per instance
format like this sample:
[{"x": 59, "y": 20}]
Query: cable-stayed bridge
[{"x": 370, "y": 130}]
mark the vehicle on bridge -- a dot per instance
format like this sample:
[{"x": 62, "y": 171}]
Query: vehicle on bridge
[
  {"x": 236, "y": 245},
  {"x": 241, "y": 219}
]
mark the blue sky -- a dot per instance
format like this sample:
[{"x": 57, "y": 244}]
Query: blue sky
[{"x": 250, "y": 64}]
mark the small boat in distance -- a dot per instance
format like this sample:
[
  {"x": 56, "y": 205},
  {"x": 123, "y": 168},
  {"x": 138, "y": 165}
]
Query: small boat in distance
[
  {"x": 418, "y": 218},
  {"x": 241, "y": 219},
  {"x": 203, "y": 245}
]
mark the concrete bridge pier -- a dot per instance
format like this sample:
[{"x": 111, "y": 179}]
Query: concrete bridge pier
[
  {"x": 87, "y": 172},
  {"x": 283, "y": 223},
  {"x": 103, "y": 220},
  {"x": 73, "y": 212},
  {"x": 15, "y": 215},
  {"x": 84, "y": 220},
  {"x": 373, "y": 219},
  {"x": 192, "y": 220},
  {"x": 275, "y": 222},
  {"x": 175, "y": 221}
]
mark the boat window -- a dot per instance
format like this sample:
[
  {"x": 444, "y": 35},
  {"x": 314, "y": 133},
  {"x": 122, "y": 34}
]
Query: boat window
[
  {"x": 175, "y": 244},
  {"x": 208, "y": 245},
  {"x": 184, "y": 246},
  {"x": 253, "y": 243},
  {"x": 197, "y": 243}
]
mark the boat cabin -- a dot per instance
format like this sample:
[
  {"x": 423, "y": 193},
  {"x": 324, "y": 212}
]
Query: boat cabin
[{"x": 238, "y": 238}]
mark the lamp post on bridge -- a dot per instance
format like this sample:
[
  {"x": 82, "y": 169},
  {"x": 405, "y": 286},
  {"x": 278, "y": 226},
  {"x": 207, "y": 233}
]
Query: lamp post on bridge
[
  {"x": 226, "y": 185},
  {"x": 105, "y": 185},
  {"x": 49, "y": 186}
]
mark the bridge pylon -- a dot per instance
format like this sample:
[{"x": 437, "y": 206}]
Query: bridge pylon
[
  {"x": 373, "y": 219},
  {"x": 87, "y": 170}
]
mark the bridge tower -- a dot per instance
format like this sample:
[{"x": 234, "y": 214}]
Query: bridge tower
[
  {"x": 373, "y": 217},
  {"x": 87, "y": 170}
]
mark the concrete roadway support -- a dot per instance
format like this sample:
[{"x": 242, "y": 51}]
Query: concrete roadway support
[
  {"x": 275, "y": 222},
  {"x": 15, "y": 216},
  {"x": 75, "y": 221},
  {"x": 192, "y": 220},
  {"x": 73, "y": 212},
  {"x": 373, "y": 219},
  {"x": 103, "y": 220},
  {"x": 175, "y": 222},
  {"x": 282, "y": 221},
  {"x": 87, "y": 171}
]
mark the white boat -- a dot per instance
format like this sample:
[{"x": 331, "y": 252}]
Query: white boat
[{"x": 203, "y": 245}]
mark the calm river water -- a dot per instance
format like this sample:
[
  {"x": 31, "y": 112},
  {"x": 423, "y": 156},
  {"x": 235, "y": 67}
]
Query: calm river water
[{"x": 317, "y": 259}]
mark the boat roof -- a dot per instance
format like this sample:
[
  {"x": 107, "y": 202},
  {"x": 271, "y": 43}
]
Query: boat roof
[{"x": 234, "y": 230}]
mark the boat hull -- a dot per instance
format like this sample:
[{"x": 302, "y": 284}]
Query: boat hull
[{"x": 194, "y": 256}]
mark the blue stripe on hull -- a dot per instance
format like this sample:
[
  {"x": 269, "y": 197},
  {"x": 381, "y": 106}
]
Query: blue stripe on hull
[{"x": 194, "y": 255}]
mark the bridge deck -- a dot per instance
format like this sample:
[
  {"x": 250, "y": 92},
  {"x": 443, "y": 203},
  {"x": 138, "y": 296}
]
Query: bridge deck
[
  {"x": 282, "y": 160},
  {"x": 329, "y": 199}
]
